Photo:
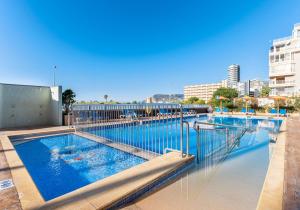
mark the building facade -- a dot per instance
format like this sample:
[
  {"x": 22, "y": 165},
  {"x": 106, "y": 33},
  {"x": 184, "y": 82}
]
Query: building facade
[
  {"x": 251, "y": 87},
  {"x": 284, "y": 65},
  {"x": 165, "y": 98},
  {"x": 202, "y": 91},
  {"x": 233, "y": 77},
  {"x": 242, "y": 88}
]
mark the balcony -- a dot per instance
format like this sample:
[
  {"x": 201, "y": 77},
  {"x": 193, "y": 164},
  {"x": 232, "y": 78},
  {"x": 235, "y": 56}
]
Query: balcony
[
  {"x": 281, "y": 83},
  {"x": 275, "y": 73},
  {"x": 282, "y": 69}
]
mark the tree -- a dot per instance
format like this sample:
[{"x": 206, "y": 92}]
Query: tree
[
  {"x": 265, "y": 91},
  {"x": 194, "y": 100},
  {"x": 297, "y": 103},
  {"x": 200, "y": 101},
  {"x": 228, "y": 93},
  {"x": 68, "y": 98},
  {"x": 106, "y": 97}
]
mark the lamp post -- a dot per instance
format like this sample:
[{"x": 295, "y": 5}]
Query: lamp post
[{"x": 54, "y": 75}]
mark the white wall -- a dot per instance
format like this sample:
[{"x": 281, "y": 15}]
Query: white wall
[
  {"x": 297, "y": 69},
  {"x": 24, "y": 106}
]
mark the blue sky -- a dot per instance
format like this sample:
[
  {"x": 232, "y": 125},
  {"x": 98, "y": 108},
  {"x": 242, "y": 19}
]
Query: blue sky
[{"x": 131, "y": 49}]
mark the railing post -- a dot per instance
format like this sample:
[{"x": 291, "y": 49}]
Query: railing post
[
  {"x": 198, "y": 143},
  {"x": 181, "y": 130},
  {"x": 227, "y": 138},
  {"x": 69, "y": 116},
  {"x": 187, "y": 138}
]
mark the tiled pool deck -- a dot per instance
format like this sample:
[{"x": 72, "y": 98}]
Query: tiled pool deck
[
  {"x": 8, "y": 198},
  {"x": 291, "y": 198}
]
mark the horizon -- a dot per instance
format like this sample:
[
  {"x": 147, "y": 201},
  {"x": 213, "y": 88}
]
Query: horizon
[{"x": 132, "y": 50}]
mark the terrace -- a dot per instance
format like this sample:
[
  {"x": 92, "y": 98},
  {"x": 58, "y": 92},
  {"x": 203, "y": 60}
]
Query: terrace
[{"x": 195, "y": 157}]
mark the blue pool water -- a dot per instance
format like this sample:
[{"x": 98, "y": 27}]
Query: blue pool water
[
  {"x": 156, "y": 136},
  {"x": 61, "y": 164}
]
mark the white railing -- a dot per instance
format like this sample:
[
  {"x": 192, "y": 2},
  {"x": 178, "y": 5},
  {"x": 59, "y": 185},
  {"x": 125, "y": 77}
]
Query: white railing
[
  {"x": 282, "y": 39},
  {"x": 282, "y": 83},
  {"x": 282, "y": 72}
]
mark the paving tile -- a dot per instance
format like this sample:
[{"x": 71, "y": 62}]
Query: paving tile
[
  {"x": 291, "y": 198},
  {"x": 8, "y": 198}
]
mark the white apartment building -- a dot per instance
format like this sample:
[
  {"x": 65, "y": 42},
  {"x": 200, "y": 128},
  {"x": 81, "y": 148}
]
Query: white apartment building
[
  {"x": 202, "y": 91},
  {"x": 284, "y": 65},
  {"x": 233, "y": 75}
]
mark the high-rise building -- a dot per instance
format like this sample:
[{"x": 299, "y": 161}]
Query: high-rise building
[
  {"x": 202, "y": 91},
  {"x": 233, "y": 75},
  {"x": 284, "y": 65}
]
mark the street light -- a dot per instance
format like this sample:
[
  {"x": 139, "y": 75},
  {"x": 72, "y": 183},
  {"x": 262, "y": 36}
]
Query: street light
[{"x": 54, "y": 76}]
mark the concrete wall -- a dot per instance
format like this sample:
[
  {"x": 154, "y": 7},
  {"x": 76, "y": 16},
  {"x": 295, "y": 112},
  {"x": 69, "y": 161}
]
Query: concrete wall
[{"x": 24, "y": 106}]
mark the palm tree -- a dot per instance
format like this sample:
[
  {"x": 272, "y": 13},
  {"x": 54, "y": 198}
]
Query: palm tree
[
  {"x": 105, "y": 97},
  {"x": 68, "y": 98}
]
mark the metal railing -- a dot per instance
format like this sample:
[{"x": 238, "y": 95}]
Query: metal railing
[
  {"x": 148, "y": 128},
  {"x": 282, "y": 82},
  {"x": 216, "y": 140}
]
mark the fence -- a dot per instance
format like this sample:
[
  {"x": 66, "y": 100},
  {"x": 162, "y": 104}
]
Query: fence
[
  {"x": 149, "y": 130},
  {"x": 152, "y": 128}
]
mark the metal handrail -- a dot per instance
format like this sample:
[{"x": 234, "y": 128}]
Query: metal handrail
[
  {"x": 187, "y": 136},
  {"x": 222, "y": 127},
  {"x": 216, "y": 124}
]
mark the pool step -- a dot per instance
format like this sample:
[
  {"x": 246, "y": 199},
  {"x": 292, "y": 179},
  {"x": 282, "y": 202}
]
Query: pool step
[{"x": 123, "y": 147}]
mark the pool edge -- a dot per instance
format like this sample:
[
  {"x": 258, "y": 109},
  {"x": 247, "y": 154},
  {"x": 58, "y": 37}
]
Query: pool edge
[{"x": 271, "y": 196}]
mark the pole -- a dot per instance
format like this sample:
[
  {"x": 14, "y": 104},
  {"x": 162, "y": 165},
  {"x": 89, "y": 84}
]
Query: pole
[
  {"x": 198, "y": 144},
  {"x": 54, "y": 76},
  {"x": 221, "y": 106},
  {"x": 181, "y": 130},
  {"x": 227, "y": 139}
]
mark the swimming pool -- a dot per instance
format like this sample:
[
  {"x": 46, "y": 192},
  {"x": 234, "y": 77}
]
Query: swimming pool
[
  {"x": 158, "y": 135},
  {"x": 239, "y": 177},
  {"x": 60, "y": 164}
]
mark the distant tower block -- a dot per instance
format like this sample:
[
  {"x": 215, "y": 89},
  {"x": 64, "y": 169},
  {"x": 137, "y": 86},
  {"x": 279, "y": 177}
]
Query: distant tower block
[{"x": 233, "y": 75}]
